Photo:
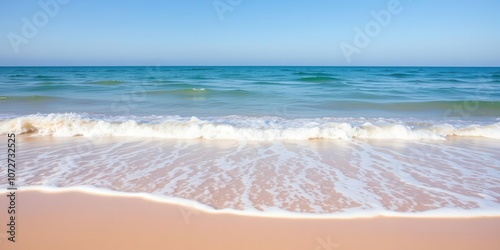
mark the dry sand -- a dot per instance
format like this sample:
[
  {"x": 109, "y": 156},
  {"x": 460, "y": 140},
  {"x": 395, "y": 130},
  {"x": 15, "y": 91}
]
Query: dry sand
[{"x": 74, "y": 220}]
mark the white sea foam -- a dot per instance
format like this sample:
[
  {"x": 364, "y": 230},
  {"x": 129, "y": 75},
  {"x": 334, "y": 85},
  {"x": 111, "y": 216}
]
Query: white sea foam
[
  {"x": 236, "y": 128},
  {"x": 317, "y": 178}
]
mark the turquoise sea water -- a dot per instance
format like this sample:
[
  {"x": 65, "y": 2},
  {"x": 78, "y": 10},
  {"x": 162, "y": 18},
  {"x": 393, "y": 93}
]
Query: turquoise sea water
[
  {"x": 289, "y": 92},
  {"x": 257, "y": 102}
]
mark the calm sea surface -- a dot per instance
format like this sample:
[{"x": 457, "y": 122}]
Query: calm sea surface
[{"x": 289, "y": 92}]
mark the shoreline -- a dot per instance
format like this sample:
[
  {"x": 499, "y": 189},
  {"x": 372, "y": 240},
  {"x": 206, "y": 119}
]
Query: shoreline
[
  {"x": 442, "y": 213},
  {"x": 77, "y": 220}
]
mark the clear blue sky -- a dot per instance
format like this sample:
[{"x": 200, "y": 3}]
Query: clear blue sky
[{"x": 254, "y": 32}]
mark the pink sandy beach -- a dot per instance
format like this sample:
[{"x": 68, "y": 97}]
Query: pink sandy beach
[{"x": 75, "y": 220}]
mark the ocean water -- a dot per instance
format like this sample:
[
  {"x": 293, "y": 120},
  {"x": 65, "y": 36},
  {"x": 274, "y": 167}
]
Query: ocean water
[
  {"x": 332, "y": 141},
  {"x": 440, "y": 94}
]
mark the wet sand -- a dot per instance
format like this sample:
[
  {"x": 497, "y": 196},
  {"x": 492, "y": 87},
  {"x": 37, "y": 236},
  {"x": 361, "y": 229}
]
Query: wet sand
[
  {"x": 75, "y": 220},
  {"x": 317, "y": 176}
]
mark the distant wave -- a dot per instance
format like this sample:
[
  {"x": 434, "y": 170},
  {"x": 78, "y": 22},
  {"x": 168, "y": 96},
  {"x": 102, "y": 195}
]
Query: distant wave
[
  {"x": 448, "y": 108},
  {"x": 33, "y": 98},
  {"x": 18, "y": 75},
  {"x": 400, "y": 75},
  {"x": 301, "y": 73},
  {"x": 44, "y": 77},
  {"x": 108, "y": 82},
  {"x": 200, "y": 69},
  {"x": 179, "y": 91},
  {"x": 234, "y": 128},
  {"x": 47, "y": 83},
  {"x": 467, "y": 106},
  {"x": 47, "y": 86},
  {"x": 198, "y": 91},
  {"x": 449, "y": 80},
  {"x": 318, "y": 79}
]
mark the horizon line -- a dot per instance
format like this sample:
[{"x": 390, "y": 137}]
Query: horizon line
[{"x": 339, "y": 66}]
